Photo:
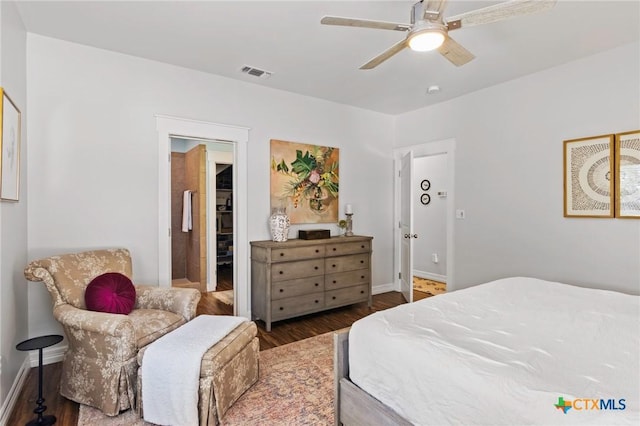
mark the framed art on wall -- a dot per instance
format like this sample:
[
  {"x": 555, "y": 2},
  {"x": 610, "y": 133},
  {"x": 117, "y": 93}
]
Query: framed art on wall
[
  {"x": 588, "y": 177},
  {"x": 10, "y": 144},
  {"x": 305, "y": 181},
  {"x": 627, "y": 176}
]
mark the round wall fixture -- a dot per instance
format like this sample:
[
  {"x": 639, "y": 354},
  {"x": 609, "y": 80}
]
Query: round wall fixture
[
  {"x": 425, "y": 199},
  {"x": 425, "y": 185}
]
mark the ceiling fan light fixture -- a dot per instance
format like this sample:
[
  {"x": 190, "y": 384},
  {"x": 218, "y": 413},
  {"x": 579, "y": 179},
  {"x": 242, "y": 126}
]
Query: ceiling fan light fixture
[{"x": 426, "y": 40}]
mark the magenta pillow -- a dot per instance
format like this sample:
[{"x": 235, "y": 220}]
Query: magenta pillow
[{"x": 111, "y": 292}]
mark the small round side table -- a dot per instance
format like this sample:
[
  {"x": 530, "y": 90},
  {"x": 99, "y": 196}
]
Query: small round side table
[{"x": 40, "y": 343}]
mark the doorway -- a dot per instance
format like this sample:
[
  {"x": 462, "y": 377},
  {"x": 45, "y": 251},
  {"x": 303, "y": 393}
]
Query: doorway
[
  {"x": 238, "y": 138},
  {"x": 424, "y": 211},
  {"x": 202, "y": 230},
  {"x": 430, "y": 188}
]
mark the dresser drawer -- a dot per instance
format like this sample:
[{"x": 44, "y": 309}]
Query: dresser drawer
[
  {"x": 339, "y": 249},
  {"x": 300, "y": 269},
  {"x": 292, "y": 306},
  {"x": 346, "y": 279},
  {"x": 290, "y": 288},
  {"x": 346, "y": 263},
  {"x": 345, "y": 296},
  {"x": 285, "y": 254},
  {"x": 299, "y": 277}
]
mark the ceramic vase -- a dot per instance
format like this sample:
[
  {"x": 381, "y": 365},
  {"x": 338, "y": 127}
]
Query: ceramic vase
[{"x": 279, "y": 225}]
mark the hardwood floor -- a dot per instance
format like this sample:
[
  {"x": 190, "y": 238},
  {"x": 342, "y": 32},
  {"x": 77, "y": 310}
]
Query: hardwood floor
[{"x": 282, "y": 332}]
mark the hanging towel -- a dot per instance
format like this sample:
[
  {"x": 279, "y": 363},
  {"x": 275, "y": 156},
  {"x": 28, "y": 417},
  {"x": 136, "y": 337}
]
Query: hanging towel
[{"x": 186, "y": 212}]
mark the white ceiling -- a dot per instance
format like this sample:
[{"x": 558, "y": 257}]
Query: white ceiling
[{"x": 286, "y": 38}]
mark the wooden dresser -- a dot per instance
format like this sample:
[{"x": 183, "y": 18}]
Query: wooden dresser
[{"x": 298, "y": 277}]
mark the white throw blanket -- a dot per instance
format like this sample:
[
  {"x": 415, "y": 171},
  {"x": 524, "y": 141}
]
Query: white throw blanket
[
  {"x": 187, "y": 223},
  {"x": 171, "y": 369}
]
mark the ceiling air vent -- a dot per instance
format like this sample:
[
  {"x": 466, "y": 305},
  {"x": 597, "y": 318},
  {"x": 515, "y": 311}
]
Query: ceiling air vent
[{"x": 256, "y": 72}]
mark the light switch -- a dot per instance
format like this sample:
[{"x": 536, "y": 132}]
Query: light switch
[{"x": 460, "y": 214}]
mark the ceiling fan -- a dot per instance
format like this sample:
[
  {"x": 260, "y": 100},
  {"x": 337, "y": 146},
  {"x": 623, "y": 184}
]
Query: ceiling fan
[{"x": 429, "y": 30}]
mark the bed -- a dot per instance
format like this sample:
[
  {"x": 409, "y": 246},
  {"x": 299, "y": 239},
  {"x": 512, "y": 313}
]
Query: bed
[{"x": 510, "y": 352}]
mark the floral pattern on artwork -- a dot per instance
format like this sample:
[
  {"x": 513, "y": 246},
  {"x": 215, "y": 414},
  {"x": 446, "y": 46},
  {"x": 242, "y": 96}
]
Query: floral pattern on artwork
[{"x": 305, "y": 181}]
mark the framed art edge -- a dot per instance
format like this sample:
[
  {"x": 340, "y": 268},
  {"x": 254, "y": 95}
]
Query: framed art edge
[
  {"x": 4, "y": 196},
  {"x": 612, "y": 197},
  {"x": 618, "y": 182}
]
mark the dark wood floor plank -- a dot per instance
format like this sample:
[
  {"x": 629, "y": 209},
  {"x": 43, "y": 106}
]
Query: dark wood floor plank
[{"x": 282, "y": 332}]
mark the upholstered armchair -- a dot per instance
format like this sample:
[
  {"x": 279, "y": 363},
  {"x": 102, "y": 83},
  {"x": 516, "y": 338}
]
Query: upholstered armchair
[{"x": 100, "y": 367}]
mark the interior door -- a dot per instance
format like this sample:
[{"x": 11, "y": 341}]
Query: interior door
[
  {"x": 195, "y": 180},
  {"x": 406, "y": 227}
]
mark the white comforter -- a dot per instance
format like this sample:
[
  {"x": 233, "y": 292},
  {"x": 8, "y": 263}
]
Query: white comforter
[{"x": 502, "y": 353}]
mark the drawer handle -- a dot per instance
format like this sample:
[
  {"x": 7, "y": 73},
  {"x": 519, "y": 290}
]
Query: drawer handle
[
  {"x": 361, "y": 277},
  {"x": 317, "y": 284},
  {"x": 281, "y": 254},
  {"x": 334, "y": 298},
  {"x": 281, "y": 272},
  {"x": 362, "y": 261},
  {"x": 333, "y": 266},
  {"x": 334, "y": 281},
  {"x": 316, "y": 301},
  {"x": 315, "y": 267},
  {"x": 362, "y": 246},
  {"x": 334, "y": 249},
  {"x": 281, "y": 290},
  {"x": 361, "y": 291},
  {"x": 317, "y": 251},
  {"x": 281, "y": 308}
]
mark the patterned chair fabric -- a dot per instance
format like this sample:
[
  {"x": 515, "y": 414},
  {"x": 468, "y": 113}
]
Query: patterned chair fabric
[
  {"x": 227, "y": 370},
  {"x": 100, "y": 366}
]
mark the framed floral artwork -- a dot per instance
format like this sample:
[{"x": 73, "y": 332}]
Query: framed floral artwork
[
  {"x": 305, "y": 181},
  {"x": 10, "y": 145},
  {"x": 588, "y": 177},
  {"x": 627, "y": 167}
]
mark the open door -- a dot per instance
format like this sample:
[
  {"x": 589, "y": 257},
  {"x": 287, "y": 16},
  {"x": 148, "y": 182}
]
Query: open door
[
  {"x": 406, "y": 227},
  {"x": 195, "y": 179}
]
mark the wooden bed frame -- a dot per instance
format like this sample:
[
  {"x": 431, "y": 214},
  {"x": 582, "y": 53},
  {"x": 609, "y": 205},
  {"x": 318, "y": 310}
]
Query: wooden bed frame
[{"x": 353, "y": 406}]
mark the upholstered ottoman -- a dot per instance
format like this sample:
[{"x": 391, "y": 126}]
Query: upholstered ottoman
[{"x": 228, "y": 369}]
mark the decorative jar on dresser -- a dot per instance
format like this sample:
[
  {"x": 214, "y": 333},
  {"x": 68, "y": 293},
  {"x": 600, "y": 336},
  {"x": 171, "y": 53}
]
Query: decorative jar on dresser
[{"x": 299, "y": 277}]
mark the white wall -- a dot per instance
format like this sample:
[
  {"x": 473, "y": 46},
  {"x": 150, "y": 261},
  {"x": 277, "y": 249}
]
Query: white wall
[
  {"x": 93, "y": 152},
  {"x": 430, "y": 220},
  {"x": 13, "y": 216},
  {"x": 509, "y": 175}
]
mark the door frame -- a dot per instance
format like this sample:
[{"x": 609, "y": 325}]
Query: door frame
[
  {"x": 213, "y": 159},
  {"x": 446, "y": 146},
  {"x": 169, "y": 127}
]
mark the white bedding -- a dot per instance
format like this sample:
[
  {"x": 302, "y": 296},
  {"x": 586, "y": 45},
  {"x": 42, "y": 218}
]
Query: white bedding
[{"x": 503, "y": 353}]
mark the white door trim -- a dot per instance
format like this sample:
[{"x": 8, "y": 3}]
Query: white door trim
[
  {"x": 168, "y": 127},
  {"x": 448, "y": 147}
]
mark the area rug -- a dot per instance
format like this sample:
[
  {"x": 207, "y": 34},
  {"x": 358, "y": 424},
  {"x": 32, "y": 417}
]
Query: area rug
[
  {"x": 295, "y": 387},
  {"x": 225, "y": 296},
  {"x": 430, "y": 287}
]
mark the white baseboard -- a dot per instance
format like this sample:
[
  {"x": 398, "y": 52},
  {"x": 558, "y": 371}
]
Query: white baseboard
[
  {"x": 16, "y": 388},
  {"x": 383, "y": 288},
  {"x": 430, "y": 276},
  {"x": 49, "y": 355}
]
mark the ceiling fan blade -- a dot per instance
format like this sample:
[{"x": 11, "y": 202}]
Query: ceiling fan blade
[
  {"x": 454, "y": 52},
  {"x": 385, "y": 55},
  {"x": 498, "y": 12},
  {"x": 364, "y": 23},
  {"x": 433, "y": 9}
]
